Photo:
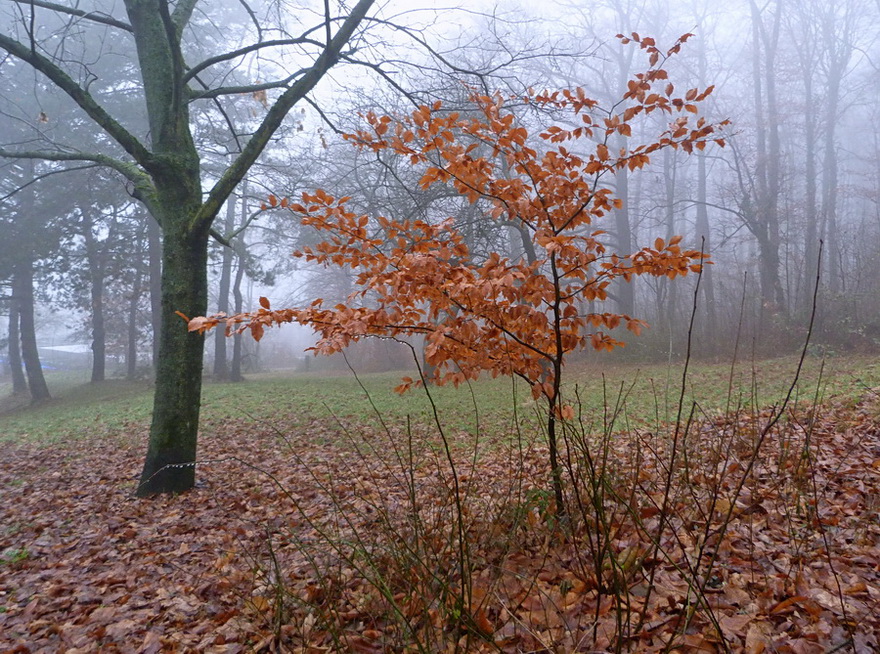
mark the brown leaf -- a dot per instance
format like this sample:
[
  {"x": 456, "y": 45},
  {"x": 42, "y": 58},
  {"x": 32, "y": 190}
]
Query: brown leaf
[
  {"x": 758, "y": 637},
  {"x": 152, "y": 643}
]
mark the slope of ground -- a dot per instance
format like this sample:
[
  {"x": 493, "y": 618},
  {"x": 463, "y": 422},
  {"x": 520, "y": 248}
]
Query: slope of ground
[{"x": 317, "y": 536}]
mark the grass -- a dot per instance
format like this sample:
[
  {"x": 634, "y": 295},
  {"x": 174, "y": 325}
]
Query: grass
[
  {"x": 14, "y": 555},
  {"x": 648, "y": 394},
  {"x": 77, "y": 410}
]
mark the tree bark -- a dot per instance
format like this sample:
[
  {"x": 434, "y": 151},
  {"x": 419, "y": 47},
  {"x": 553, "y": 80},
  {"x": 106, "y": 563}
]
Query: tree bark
[
  {"x": 221, "y": 365},
  {"x": 154, "y": 240},
  {"x": 19, "y": 381},
  {"x": 170, "y": 462},
  {"x": 23, "y": 291}
]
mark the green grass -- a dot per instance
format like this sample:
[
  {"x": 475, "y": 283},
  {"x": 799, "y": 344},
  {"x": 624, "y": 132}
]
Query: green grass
[
  {"x": 650, "y": 394},
  {"x": 77, "y": 409},
  {"x": 14, "y": 555}
]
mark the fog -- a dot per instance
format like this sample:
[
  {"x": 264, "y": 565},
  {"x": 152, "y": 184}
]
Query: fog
[{"x": 788, "y": 211}]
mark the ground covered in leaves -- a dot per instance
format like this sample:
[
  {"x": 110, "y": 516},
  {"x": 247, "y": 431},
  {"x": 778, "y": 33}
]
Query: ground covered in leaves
[{"x": 731, "y": 536}]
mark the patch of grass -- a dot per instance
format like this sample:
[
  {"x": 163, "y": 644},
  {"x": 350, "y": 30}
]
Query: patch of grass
[
  {"x": 650, "y": 394},
  {"x": 77, "y": 410},
  {"x": 312, "y": 404},
  {"x": 14, "y": 555},
  {"x": 14, "y": 527}
]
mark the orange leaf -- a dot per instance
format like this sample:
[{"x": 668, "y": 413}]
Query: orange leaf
[
  {"x": 787, "y": 604},
  {"x": 482, "y": 623}
]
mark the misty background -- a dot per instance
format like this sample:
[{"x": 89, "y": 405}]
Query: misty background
[{"x": 793, "y": 197}]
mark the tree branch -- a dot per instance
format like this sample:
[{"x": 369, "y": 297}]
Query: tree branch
[
  {"x": 226, "y": 56},
  {"x": 327, "y": 22},
  {"x": 43, "y": 176},
  {"x": 384, "y": 75},
  {"x": 94, "y": 16},
  {"x": 247, "y": 88},
  {"x": 181, "y": 15},
  {"x": 173, "y": 35},
  {"x": 143, "y": 185},
  {"x": 273, "y": 119},
  {"x": 217, "y": 236},
  {"x": 253, "y": 17},
  {"x": 82, "y": 98},
  {"x": 225, "y": 114}
]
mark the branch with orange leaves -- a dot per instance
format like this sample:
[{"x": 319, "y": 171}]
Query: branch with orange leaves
[{"x": 499, "y": 315}]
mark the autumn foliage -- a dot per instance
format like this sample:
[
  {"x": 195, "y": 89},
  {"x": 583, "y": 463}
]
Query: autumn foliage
[{"x": 496, "y": 315}]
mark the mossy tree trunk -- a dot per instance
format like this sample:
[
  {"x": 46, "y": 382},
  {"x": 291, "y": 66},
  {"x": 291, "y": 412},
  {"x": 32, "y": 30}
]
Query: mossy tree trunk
[{"x": 173, "y": 433}]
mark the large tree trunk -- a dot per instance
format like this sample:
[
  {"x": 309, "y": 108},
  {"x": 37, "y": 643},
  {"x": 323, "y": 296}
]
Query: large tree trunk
[
  {"x": 173, "y": 433},
  {"x": 154, "y": 239},
  {"x": 166, "y": 177},
  {"x": 23, "y": 291},
  {"x": 19, "y": 381}
]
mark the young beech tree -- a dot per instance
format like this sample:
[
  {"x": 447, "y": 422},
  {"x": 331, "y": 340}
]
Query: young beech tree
[{"x": 498, "y": 315}]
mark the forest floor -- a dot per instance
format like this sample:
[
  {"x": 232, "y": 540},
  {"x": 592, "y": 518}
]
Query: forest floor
[{"x": 316, "y": 534}]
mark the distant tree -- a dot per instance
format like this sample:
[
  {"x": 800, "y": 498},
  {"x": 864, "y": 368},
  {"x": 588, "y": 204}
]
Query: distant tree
[
  {"x": 102, "y": 267},
  {"x": 13, "y": 337},
  {"x": 28, "y": 236}
]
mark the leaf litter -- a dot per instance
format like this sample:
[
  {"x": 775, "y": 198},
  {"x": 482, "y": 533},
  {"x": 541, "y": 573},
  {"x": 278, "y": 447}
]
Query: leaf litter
[{"x": 352, "y": 545}]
